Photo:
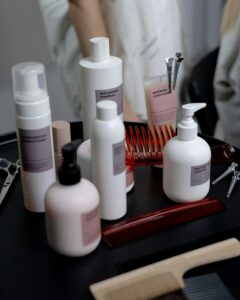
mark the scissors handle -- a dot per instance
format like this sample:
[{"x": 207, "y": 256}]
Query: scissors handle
[
  {"x": 234, "y": 180},
  {"x": 7, "y": 183}
]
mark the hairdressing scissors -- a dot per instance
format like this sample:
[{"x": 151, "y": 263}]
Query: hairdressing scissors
[{"x": 11, "y": 169}]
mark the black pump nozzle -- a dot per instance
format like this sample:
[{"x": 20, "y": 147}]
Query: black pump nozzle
[{"x": 69, "y": 172}]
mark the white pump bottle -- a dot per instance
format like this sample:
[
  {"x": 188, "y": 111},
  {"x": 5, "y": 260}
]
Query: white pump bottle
[{"x": 186, "y": 160}]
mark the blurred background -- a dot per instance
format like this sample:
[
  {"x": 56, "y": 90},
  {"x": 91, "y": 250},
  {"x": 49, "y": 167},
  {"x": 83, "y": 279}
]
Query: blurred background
[{"x": 23, "y": 38}]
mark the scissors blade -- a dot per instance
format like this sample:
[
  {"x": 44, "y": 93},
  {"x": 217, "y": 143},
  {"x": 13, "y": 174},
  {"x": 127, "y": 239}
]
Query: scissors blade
[{"x": 7, "y": 183}]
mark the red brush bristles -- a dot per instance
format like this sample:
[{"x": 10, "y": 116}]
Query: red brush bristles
[{"x": 144, "y": 143}]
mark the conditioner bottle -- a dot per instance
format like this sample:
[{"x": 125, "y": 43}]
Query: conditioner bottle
[
  {"x": 186, "y": 160},
  {"x": 108, "y": 160},
  {"x": 33, "y": 120},
  {"x": 101, "y": 79},
  {"x": 72, "y": 209}
]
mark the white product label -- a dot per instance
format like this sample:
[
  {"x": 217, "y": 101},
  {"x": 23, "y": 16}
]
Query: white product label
[
  {"x": 200, "y": 174},
  {"x": 114, "y": 94},
  {"x": 91, "y": 226},
  {"x": 36, "y": 151},
  {"x": 118, "y": 157}
]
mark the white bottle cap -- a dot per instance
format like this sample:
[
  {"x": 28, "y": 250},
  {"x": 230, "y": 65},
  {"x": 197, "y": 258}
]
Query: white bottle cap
[
  {"x": 106, "y": 110},
  {"x": 187, "y": 127},
  {"x": 29, "y": 81},
  {"x": 99, "y": 49}
]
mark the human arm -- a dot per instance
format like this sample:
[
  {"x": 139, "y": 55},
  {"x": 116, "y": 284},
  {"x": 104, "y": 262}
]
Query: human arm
[{"x": 87, "y": 20}]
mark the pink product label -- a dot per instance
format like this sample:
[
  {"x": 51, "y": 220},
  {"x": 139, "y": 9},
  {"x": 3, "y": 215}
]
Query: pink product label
[
  {"x": 91, "y": 227},
  {"x": 200, "y": 174},
  {"x": 118, "y": 157},
  {"x": 162, "y": 105},
  {"x": 36, "y": 149},
  {"x": 115, "y": 94}
]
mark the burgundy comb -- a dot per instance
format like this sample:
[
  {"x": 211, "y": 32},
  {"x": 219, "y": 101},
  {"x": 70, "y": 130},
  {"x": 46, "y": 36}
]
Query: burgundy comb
[
  {"x": 155, "y": 221},
  {"x": 144, "y": 143}
]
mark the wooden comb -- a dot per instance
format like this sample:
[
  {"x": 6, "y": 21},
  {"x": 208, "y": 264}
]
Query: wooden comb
[{"x": 163, "y": 277}]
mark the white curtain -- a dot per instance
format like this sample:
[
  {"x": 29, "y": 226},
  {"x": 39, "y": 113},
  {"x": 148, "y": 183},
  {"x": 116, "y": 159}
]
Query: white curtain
[{"x": 200, "y": 28}]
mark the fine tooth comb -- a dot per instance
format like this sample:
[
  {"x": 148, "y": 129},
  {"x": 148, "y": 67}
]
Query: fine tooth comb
[
  {"x": 144, "y": 143},
  {"x": 158, "y": 220}
]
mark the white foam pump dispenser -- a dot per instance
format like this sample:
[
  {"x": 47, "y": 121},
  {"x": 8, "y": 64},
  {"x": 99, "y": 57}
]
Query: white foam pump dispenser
[
  {"x": 186, "y": 160},
  {"x": 34, "y": 132}
]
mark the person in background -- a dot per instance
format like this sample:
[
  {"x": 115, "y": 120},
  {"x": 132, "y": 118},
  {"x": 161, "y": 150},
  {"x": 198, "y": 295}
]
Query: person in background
[
  {"x": 227, "y": 76},
  {"x": 141, "y": 32}
]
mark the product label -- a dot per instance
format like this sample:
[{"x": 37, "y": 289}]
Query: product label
[
  {"x": 162, "y": 106},
  {"x": 91, "y": 226},
  {"x": 118, "y": 157},
  {"x": 200, "y": 174},
  {"x": 36, "y": 151},
  {"x": 115, "y": 94}
]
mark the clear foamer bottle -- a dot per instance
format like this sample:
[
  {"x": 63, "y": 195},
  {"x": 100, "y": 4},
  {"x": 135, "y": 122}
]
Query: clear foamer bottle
[
  {"x": 186, "y": 160},
  {"x": 33, "y": 121}
]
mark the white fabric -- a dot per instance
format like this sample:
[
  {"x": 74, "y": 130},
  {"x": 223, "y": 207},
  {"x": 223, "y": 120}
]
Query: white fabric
[
  {"x": 64, "y": 48},
  {"x": 142, "y": 33},
  {"x": 227, "y": 85},
  {"x": 200, "y": 29}
]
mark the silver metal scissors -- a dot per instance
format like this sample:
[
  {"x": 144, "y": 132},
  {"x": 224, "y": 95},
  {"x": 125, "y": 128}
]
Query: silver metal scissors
[
  {"x": 235, "y": 179},
  {"x": 11, "y": 169}
]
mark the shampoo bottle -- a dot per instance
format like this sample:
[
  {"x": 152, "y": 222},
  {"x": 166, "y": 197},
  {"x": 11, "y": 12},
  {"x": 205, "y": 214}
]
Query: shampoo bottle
[
  {"x": 33, "y": 121},
  {"x": 108, "y": 160},
  {"x": 186, "y": 160},
  {"x": 72, "y": 209},
  {"x": 101, "y": 78}
]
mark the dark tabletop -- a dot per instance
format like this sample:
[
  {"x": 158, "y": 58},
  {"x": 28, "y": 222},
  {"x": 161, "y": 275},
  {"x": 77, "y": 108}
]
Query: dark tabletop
[{"x": 29, "y": 269}]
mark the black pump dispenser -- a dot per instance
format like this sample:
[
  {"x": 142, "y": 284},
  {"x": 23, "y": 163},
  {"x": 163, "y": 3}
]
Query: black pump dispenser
[{"x": 69, "y": 172}]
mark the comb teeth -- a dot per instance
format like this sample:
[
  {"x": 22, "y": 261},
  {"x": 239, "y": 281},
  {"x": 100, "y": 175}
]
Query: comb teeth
[{"x": 144, "y": 144}]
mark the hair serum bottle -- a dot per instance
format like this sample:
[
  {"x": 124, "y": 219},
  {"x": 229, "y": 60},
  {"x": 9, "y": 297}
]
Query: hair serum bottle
[
  {"x": 108, "y": 160},
  {"x": 72, "y": 209}
]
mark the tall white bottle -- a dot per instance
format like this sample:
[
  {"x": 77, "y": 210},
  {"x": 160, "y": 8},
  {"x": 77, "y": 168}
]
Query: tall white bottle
[
  {"x": 108, "y": 160},
  {"x": 101, "y": 79},
  {"x": 33, "y": 121},
  {"x": 186, "y": 160}
]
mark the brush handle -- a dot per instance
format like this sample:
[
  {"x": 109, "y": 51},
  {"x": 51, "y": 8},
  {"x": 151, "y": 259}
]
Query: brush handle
[{"x": 137, "y": 284}]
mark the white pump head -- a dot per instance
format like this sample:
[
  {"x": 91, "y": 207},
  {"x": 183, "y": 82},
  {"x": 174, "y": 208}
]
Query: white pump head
[
  {"x": 187, "y": 127},
  {"x": 29, "y": 81}
]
